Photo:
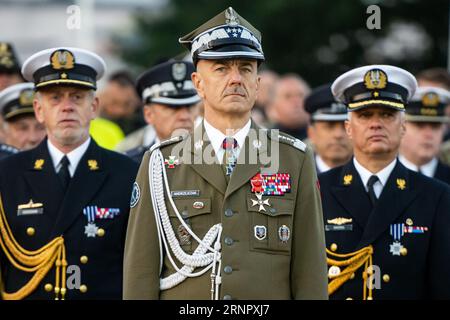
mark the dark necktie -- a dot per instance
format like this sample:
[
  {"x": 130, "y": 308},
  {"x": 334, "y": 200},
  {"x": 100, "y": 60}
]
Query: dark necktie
[
  {"x": 63, "y": 172},
  {"x": 230, "y": 145},
  {"x": 373, "y": 198}
]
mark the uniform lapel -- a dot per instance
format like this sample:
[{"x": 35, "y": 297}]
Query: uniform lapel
[
  {"x": 84, "y": 185},
  {"x": 204, "y": 161},
  {"x": 42, "y": 179},
  {"x": 351, "y": 194},
  {"x": 397, "y": 194},
  {"x": 249, "y": 160}
]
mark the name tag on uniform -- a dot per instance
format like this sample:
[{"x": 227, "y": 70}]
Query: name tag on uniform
[
  {"x": 30, "y": 208},
  {"x": 331, "y": 227},
  {"x": 339, "y": 224},
  {"x": 185, "y": 193}
]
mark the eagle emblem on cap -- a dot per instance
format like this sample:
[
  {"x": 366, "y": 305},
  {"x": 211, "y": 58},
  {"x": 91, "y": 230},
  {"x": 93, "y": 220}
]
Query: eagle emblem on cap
[
  {"x": 231, "y": 18},
  {"x": 179, "y": 71},
  {"x": 375, "y": 79},
  {"x": 430, "y": 99},
  {"x": 26, "y": 97},
  {"x": 62, "y": 59}
]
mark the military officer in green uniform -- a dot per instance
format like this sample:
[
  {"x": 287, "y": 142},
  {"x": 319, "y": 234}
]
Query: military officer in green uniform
[{"x": 231, "y": 211}]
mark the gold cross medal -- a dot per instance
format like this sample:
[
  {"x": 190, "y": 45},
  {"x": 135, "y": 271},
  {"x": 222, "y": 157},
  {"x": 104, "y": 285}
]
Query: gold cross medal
[{"x": 260, "y": 202}]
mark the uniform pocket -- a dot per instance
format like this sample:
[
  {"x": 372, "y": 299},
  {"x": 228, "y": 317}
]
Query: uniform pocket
[
  {"x": 271, "y": 229},
  {"x": 196, "y": 213}
]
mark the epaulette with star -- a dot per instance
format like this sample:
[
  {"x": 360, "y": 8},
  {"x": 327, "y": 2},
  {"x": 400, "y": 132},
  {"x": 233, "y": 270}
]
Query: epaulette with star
[{"x": 287, "y": 139}]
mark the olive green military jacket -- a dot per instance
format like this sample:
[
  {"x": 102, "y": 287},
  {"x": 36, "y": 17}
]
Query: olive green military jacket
[{"x": 261, "y": 265}]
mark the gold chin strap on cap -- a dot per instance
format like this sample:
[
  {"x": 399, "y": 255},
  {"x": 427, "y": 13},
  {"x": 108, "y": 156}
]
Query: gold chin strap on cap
[
  {"x": 352, "y": 262},
  {"x": 38, "y": 262}
]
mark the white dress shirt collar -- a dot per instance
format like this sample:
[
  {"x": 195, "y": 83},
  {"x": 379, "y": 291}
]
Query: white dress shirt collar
[
  {"x": 321, "y": 165},
  {"x": 216, "y": 137},
  {"x": 74, "y": 155},
  {"x": 383, "y": 175},
  {"x": 428, "y": 169}
]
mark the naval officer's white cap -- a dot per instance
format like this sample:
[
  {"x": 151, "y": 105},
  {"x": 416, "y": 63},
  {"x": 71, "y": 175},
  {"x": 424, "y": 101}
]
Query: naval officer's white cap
[
  {"x": 375, "y": 85},
  {"x": 64, "y": 66}
]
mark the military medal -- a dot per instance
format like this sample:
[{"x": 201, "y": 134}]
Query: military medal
[
  {"x": 90, "y": 230},
  {"x": 260, "y": 202},
  {"x": 171, "y": 162},
  {"x": 271, "y": 184},
  {"x": 397, "y": 231},
  {"x": 284, "y": 233},
  {"x": 415, "y": 229},
  {"x": 260, "y": 232}
]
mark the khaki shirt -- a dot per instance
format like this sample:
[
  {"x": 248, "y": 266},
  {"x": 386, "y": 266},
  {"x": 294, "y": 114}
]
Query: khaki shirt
[{"x": 251, "y": 268}]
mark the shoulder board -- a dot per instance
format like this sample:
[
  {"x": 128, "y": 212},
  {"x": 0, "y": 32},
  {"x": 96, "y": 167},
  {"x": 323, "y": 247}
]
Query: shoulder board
[
  {"x": 167, "y": 142},
  {"x": 287, "y": 139}
]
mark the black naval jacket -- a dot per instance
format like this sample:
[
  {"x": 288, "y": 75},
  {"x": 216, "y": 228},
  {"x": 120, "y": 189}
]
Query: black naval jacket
[
  {"x": 423, "y": 273},
  {"x": 107, "y": 183},
  {"x": 442, "y": 172}
]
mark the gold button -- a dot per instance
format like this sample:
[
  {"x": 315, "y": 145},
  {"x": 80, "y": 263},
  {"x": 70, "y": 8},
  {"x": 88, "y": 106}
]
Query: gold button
[
  {"x": 349, "y": 298},
  {"x": 403, "y": 251},
  {"x": 409, "y": 222},
  {"x": 83, "y": 288},
  {"x": 48, "y": 287},
  {"x": 352, "y": 276},
  {"x": 31, "y": 231},
  {"x": 386, "y": 278},
  {"x": 333, "y": 247},
  {"x": 84, "y": 259},
  {"x": 101, "y": 232}
]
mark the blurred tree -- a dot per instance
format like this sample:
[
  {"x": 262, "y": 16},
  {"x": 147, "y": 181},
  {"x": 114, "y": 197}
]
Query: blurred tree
[{"x": 317, "y": 39}]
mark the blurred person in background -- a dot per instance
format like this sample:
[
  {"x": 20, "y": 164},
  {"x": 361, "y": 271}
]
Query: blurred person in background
[
  {"x": 268, "y": 78},
  {"x": 20, "y": 127},
  {"x": 120, "y": 103},
  {"x": 326, "y": 131},
  {"x": 170, "y": 101},
  {"x": 9, "y": 70},
  {"x": 287, "y": 109},
  {"x": 425, "y": 127},
  {"x": 438, "y": 77}
]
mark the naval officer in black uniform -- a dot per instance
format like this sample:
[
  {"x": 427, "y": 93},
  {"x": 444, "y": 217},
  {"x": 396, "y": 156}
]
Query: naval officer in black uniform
[
  {"x": 65, "y": 202},
  {"x": 170, "y": 102},
  {"x": 326, "y": 130},
  {"x": 386, "y": 226},
  {"x": 425, "y": 128}
]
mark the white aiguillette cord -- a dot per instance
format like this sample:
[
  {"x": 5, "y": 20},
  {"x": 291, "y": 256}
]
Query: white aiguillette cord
[{"x": 203, "y": 256}]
